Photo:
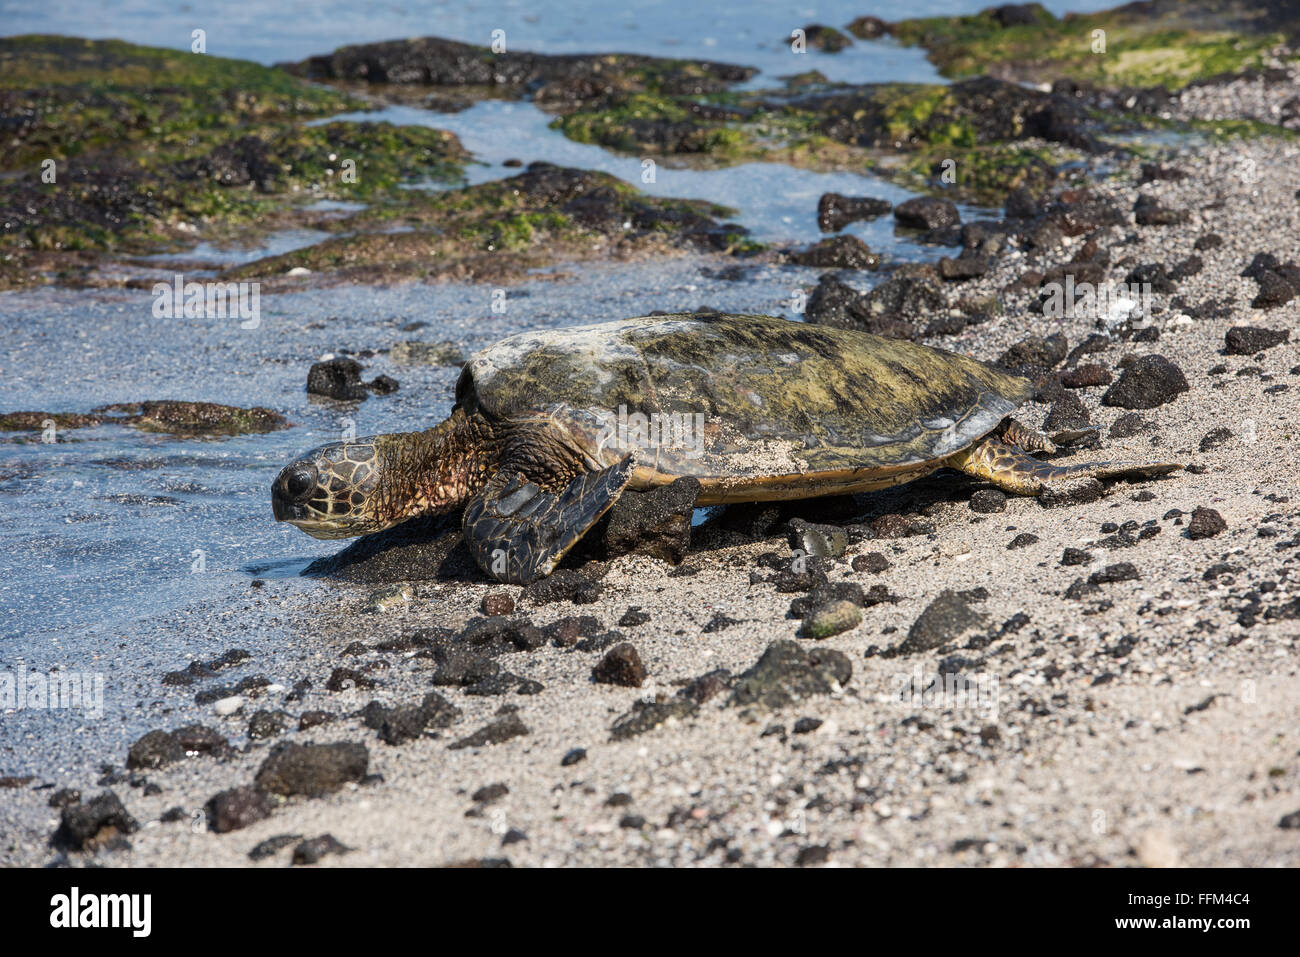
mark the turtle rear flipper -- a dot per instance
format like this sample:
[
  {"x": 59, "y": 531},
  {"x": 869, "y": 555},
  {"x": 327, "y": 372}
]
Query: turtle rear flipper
[
  {"x": 1015, "y": 471},
  {"x": 518, "y": 533}
]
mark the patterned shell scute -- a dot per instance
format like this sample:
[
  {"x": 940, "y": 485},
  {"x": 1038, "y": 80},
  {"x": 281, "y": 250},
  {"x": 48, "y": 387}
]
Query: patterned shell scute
[{"x": 830, "y": 398}]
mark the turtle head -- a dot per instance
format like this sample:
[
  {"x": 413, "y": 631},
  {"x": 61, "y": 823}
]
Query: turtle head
[{"x": 330, "y": 491}]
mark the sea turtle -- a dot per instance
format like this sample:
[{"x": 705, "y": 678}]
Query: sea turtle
[{"x": 550, "y": 427}]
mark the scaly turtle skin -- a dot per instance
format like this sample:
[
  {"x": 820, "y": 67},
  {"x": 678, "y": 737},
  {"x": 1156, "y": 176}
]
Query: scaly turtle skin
[{"x": 550, "y": 427}]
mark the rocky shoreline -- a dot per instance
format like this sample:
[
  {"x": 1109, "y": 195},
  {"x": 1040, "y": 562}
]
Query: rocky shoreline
[{"x": 951, "y": 678}]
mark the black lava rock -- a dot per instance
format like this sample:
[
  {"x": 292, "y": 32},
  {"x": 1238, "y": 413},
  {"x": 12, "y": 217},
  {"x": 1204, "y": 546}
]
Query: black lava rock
[{"x": 1147, "y": 383}]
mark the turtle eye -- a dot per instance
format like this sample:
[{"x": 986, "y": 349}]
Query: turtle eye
[{"x": 300, "y": 483}]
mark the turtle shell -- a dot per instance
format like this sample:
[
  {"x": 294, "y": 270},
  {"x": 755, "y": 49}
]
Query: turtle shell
[{"x": 740, "y": 399}]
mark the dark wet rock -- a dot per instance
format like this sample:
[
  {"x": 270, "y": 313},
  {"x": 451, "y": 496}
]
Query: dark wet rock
[
  {"x": 964, "y": 267},
  {"x": 237, "y": 808},
  {"x": 633, "y": 617},
  {"x": 648, "y": 715},
  {"x": 826, "y": 593},
  {"x": 422, "y": 549},
  {"x": 311, "y": 851},
  {"x": 1149, "y": 211},
  {"x": 621, "y": 665},
  {"x": 1279, "y": 282},
  {"x": 93, "y": 824},
  {"x": 490, "y": 793},
  {"x": 1274, "y": 290},
  {"x": 872, "y": 562},
  {"x": 313, "y": 770},
  {"x": 719, "y": 622},
  {"x": 835, "y": 303},
  {"x": 1085, "y": 376},
  {"x": 314, "y": 719},
  {"x": 1080, "y": 589},
  {"x": 1068, "y": 412},
  {"x": 944, "y": 620},
  {"x": 835, "y": 211},
  {"x": 501, "y": 634},
  {"x": 336, "y": 379},
  {"x": 1205, "y": 523},
  {"x": 268, "y": 724},
  {"x": 926, "y": 212},
  {"x": 1147, "y": 383},
  {"x": 1075, "y": 556},
  {"x": 837, "y": 252},
  {"x": 1128, "y": 424},
  {"x": 1151, "y": 172},
  {"x": 573, "y": 756},
  {"x": 707, "y": 686},
  {"x": 272, "y": 846},
  {"x": 1118, "y": 572},
  {"x": 904, "y": 298},
  {"x": 64, "y": 797},
  {"x": 900, "y": 526},
  {"x": 559, "y": 79},
  {"x": 657, "y": 522},
  {"x": 1022, "y": 204},
  {"x": 1155, "y": 275},
  {"x": 1185, "y": 268},
  {"x": 502, "y": 729},
  {"x": 1035, "y": 353},
  {"x": 497, "y": 603},
  {"x": 564, "y": 584},
  {"x": 1290, "y": 821},
  {"x": 1215, "y": 438},
  {"x": 813, "y": 856},
  {"x": 1023, "y": 540},
  {"x": 1207, "y": 242},
  {"x": 1077, "y": 212},
  {"x": 402, "y": 724},
  {"x": 463, "y": 667},
  {"x": 831, "y": 618},
  {"x": 988, "y": 500},
  {"x": 438, "y": 711},
  {"x": 787, "y": 674},
  {"x": 504, "y": 683},
  {"x": 1248, "y": 340},
  {"x": 154, "y": 750},
  {"x": 565, "y": 632},
  {"x": 598, "y": 642}
]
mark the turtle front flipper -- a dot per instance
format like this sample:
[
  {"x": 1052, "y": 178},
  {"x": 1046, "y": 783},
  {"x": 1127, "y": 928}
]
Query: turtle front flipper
[
  {"x": 1015, "y": 471},
  {"x": 518, "y": 533}
]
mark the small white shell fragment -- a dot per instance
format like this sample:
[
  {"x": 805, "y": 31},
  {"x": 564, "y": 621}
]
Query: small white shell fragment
[{"x": 228, "y": 706}]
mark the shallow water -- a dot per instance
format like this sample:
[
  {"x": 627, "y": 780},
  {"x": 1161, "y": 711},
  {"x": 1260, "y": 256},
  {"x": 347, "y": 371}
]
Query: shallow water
[
  {"x": 777, "y": 203},
  {"x": 755, "y": 34}
]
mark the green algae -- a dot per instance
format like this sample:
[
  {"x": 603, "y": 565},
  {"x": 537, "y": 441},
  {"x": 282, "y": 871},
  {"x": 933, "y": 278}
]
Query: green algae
[
  {"x": 153, "y": 149},
  {"x": 1112, "y": 48}
]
